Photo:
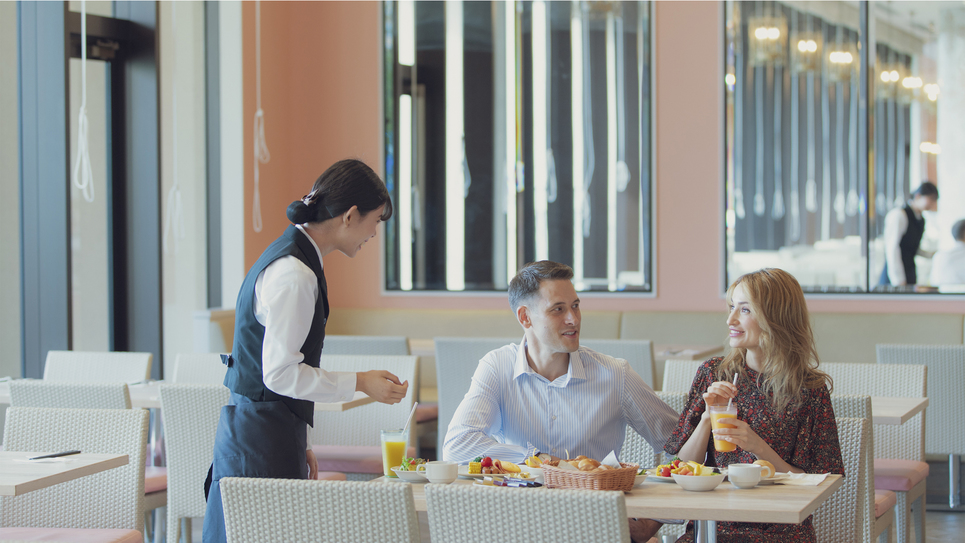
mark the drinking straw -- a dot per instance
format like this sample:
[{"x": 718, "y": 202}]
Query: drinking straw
[
  {"x": 411, "y": 416},
  {"x": 736, "y": 375}
]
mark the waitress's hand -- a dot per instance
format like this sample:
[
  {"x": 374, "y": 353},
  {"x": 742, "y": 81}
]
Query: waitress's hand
[
  {"x": 312, "y": 464},
  {"x": 381, "y": 385},
  {"x": 719, "y": 392},
  {"x": 742, "y": 436}
]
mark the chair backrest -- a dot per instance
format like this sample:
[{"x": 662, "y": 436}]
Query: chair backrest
[
  {"x": 905, "y": 441},
  {"x": 946, "y": 373},
  {"x": 390, "y": 345},
  {"x": 636, "y": 449},
  {"x": 83, "y": 366},
  {"x": 859, "y": 407},
  {"x": 199, "y": 369},
  {"x": 191, "y": 414},
  {"x": 39, "y": 393},
  {"x": 361, "y": 426},
  {"x": 297, "y": 510},
  {"x": 678, "y": 375},
  {"x": 843, "y": 516},
  {"x": 637, "y": 352},
  {"x": 456, "y": 361},
  {"x": 110, "y": 499},
  {"x": 561, "y": 516}
]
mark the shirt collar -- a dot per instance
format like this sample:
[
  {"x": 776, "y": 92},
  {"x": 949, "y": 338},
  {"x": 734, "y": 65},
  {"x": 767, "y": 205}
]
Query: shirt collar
[
  {"x": 317, "y": 251},
  {"x": 576, "y": 369}
]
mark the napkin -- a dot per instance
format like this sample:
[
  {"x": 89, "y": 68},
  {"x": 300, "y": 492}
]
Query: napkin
[
  {"x": 802, "y": 479},
  {"x": 58, "y": 460},
  {"x": 566, "y": 465},
  {"x": 612, "y": 460}
]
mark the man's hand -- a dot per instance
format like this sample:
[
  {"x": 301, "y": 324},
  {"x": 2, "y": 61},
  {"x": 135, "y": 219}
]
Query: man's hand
[
  {"x": 312, "y": 464},
  {"x": 381, "y": 385}
]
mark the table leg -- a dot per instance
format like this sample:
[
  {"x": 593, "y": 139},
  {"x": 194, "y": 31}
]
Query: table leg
[
  {"x": 954, "y": 491},
  {"x": 705, "y": 531}
]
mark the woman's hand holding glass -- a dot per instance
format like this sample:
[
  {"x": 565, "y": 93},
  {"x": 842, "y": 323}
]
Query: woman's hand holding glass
[{"x": 719, "y": 393}]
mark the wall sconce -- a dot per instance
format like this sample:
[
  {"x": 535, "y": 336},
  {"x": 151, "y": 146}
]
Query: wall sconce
[
  {"x": 886, "y": 87},
  {"x": 769, "y": 42},
  {"x": 842, "y": 63},
  {"x": 930, "y": 148},
  {"x": 806, "y": 48}
]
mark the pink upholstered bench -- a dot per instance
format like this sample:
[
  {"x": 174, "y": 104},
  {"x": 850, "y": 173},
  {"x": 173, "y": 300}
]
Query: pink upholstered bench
[
  {"x": 71, "y": 535},
  {"x": 426, "y": 412},
  {"x": 884, "y": 500},
  {"x": 351, "y": 459},
  {"x": 899, "y": 475},
  {"x": 330, "y": 476},
  {"x": 155, "y": 479}
]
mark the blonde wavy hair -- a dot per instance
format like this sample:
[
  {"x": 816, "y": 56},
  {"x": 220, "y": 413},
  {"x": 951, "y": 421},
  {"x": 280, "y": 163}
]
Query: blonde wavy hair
[{"x": 790, "y": 362}]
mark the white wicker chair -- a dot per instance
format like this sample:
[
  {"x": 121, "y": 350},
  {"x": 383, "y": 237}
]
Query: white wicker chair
[
  {"x": 39, "y": 393},
  {"x": 199, "y": 369},
  {"x": 110, "y": 499},
  {"x": 366, "y": 345},
  {"x": 456, "y": 361},
  {"x": 859, "y": 407},
  {"x": 678, "y": 375},
  {"x": 561, "y": 516},
  {"x": 81, "y": 366},
  {"x": 191, "y": 414},
  {"x": 360, "y": 426},
  {"x": 637, "y": 352},
  {"x": 946, "y": 373},
  {"x": 637, "y": 450},
  {"x": 839, "y": 519},
  {"x": 901, "y": 442},
  {"x": 258, "y": 510}
]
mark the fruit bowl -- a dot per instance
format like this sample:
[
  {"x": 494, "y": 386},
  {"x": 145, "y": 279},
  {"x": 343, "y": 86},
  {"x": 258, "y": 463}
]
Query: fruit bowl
[
  {"x": 698, "y": 483},
  {"x": 409, "y": 476}
]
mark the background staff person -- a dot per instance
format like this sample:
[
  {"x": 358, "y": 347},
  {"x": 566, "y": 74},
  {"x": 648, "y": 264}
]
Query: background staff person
[{"x": 904, "y": 228}]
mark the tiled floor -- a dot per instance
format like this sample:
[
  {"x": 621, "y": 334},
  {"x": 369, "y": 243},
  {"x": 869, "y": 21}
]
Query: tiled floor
[{"x": 944, "y": 527}]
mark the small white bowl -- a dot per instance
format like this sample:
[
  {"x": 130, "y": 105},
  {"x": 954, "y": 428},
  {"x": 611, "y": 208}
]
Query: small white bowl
[
  {"x": 409, "y": 476},
  {"x": 639, "y": 479},
  {"x": 698, "y": 483}
]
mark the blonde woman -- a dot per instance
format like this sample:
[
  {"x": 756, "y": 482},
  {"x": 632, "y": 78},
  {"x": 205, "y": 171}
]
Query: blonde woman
[{"x": 784, "y": 412}]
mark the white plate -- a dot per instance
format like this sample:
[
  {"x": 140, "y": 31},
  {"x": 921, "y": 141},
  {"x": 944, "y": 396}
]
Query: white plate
[
  {"x": 408, "y": 476},
  {"x": 772, "y": 480},
  {"x": 534, "y": 473}
]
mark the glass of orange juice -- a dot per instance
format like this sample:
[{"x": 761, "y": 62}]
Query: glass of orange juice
[
  {"x": 718, "y": 412},
  {"x": 394, "y": 444}
]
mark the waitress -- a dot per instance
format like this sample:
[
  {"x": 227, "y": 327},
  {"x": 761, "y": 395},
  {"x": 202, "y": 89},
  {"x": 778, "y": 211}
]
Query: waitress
[{"x": 273, "y": 370}]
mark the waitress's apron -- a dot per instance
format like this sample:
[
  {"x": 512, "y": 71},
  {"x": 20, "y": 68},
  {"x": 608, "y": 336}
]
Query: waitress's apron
[{"x": 254, "y": 439}]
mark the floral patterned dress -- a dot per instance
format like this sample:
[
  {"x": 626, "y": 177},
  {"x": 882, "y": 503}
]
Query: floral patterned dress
[{"x": 805, "y": 436}]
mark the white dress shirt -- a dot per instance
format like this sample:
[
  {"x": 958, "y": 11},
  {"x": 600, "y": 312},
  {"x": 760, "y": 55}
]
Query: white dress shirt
[
  {"x": 896, "y": 224},
  {"x": 285, "y": 296},
  {"x": 585, "y": 411},
  {"x": 948, "y": 266}
]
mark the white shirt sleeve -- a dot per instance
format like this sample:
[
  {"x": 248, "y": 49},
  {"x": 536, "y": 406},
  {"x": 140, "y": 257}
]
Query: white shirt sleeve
[
  {"x": 896, "y": 224},
  {"x": 285, "y": 296},
  {"x": 650, "y": 416},
  {"x": 476, "y": 419}
]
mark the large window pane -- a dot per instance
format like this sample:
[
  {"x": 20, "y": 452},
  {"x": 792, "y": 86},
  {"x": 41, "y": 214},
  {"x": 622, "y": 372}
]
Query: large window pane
[
  {"x": 518, "y": 131},
  {"x": 816, "y": 160}
]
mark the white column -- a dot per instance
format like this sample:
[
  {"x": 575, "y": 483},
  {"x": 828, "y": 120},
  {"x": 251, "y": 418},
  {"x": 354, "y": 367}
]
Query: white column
[{"x": 951, "y": 131}]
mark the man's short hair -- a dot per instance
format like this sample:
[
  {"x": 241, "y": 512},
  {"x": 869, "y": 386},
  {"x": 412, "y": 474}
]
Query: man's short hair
[
  {"x": 958, "y": 230},
  {"x": 527, "y": 281},
  {"x": 927, "y": 188}
]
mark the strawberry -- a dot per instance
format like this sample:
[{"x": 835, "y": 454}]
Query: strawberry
[{"x": 487, "y": 462}]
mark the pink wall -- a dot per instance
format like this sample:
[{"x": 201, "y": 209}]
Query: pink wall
[{"x": 321, "y": 93}]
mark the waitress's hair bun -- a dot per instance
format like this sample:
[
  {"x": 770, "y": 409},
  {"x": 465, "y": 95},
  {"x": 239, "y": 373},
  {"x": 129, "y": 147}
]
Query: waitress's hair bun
[{"x": 299, "y": 212}]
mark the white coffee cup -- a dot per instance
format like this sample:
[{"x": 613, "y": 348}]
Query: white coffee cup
[
  {"x": 440, "y": 471},
  {"x": 744, "y": 475}
]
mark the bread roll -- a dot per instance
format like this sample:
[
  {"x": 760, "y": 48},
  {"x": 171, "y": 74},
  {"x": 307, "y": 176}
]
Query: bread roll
[{"x": 768, "y": 470}]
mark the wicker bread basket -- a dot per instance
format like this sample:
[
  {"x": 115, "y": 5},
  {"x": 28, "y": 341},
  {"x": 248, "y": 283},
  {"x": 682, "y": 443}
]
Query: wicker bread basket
[{"x": 611, "y": 479}]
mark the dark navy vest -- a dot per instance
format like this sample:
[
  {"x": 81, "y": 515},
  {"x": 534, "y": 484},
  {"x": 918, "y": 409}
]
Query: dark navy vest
[
  {"x": 244, "y": 374},
  {"x": 909, "y": 245}
]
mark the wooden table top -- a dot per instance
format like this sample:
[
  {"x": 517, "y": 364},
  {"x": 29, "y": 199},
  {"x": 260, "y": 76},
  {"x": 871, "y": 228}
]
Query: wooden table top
[
  {"x": 18, "y": 476},
  {"x": 685, "y": 352},
  {"x": 896, "y": 411},
  {"x": 771, "y": 503},
  {"x": 146, "y": 395}
]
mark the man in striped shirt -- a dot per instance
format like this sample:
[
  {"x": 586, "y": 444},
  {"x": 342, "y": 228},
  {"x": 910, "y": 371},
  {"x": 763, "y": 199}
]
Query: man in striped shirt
[{"x": 549, "y": 393}]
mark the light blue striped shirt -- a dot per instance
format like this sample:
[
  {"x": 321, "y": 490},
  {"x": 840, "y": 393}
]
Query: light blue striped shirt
[{"x": 584, "y": 411}]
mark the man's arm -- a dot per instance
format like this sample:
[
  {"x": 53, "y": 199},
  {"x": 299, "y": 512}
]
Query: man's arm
[
  {"x": 476, "y": 418},
  {"x": 650, "y": 416},
  {"x": 896, "y": 224}
]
